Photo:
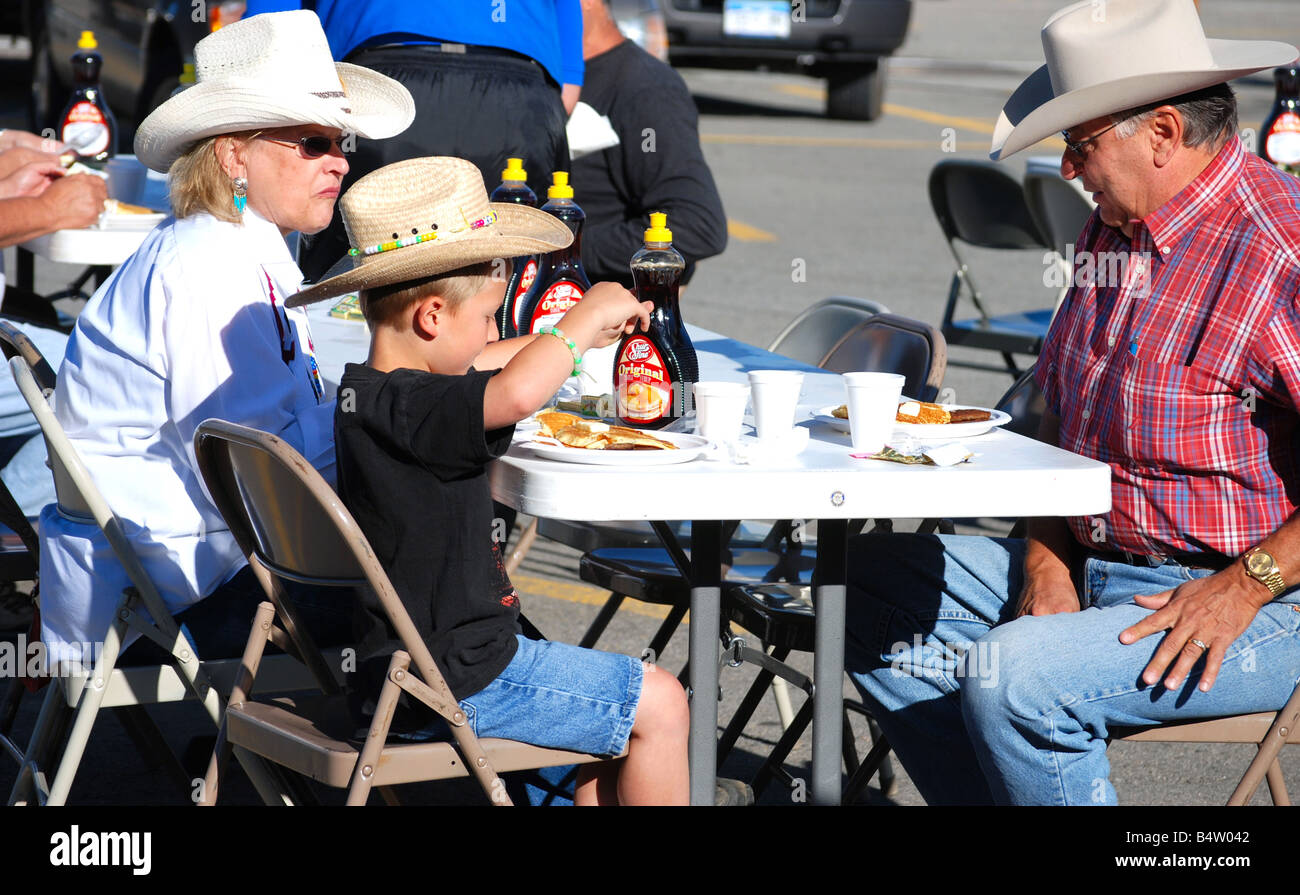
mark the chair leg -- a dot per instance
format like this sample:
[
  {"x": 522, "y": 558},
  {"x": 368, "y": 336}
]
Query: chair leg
[
  {"x": 1277, "y": 784},
  {"x": 748, "y": 705},
  {"x": 525, "y": 543},
  {"x": 601, "y": 621},
  {"x": 870, "y": 764},
  {"x": 784, "y": 708}
]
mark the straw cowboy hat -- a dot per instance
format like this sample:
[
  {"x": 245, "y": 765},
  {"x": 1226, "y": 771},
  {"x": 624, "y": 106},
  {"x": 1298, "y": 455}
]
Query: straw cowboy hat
[
  {"x": 271, "y": 70},
  {"x": 1105, "y": 56},
  {"x": 426, "y": 216}
]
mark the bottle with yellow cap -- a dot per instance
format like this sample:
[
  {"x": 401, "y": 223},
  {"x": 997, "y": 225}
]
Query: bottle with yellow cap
[
  {"x": 87, "y": 124},
  {"x": 514, "y": 188},
  {"x": 561, "y": 282},
  {"x": 653, "y": 370}
]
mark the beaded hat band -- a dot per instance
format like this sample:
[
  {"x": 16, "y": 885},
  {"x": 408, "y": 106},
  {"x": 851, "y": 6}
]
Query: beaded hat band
[{"x": 423, "y": 217}]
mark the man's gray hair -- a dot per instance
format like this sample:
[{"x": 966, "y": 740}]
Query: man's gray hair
[{"x": 1209, "y": 116}]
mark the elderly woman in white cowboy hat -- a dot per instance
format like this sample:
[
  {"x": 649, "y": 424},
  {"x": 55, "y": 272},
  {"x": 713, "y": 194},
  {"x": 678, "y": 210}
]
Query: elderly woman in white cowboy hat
[{"x": 194, "y": 326}]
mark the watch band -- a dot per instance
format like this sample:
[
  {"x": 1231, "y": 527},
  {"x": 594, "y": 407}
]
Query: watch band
[{"x": 1270, "y": 578}]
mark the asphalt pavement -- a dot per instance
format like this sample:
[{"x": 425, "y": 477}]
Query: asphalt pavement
[{"x": 815, "y": 208}]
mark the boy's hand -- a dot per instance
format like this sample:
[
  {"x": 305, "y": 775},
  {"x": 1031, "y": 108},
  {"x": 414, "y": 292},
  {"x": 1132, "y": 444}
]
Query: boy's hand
[{"x": 605, "y": 313}]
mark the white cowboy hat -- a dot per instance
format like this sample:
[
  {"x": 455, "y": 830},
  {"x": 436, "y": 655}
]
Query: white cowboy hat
[
  {"x": 427, "y": 216},
  {"x": 271, "y": 70},
  {"x": 1105, "y": 56}
]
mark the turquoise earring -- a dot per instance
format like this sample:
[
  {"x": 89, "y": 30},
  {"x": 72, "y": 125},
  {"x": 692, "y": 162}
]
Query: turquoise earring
[{"x": 241, "y": 194}]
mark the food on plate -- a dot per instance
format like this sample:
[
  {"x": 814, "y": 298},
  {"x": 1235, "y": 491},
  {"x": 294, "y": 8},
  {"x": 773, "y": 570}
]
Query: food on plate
[
  {"x": 925, "y": 413},
  {"x": 576, "y": 432},
  {"x": 841, "y": 412},
  {"x": 113, "y": 206}
]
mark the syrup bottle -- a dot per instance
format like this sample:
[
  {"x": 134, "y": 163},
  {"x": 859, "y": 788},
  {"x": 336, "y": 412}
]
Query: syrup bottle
[
  {"x": 514, "y": 188},
  {"x": 653, "y": 370},
  {"x": 1280, "y": 141},
  {"x": 87, "y": 124},
  {"x": 561, "y": 282}
]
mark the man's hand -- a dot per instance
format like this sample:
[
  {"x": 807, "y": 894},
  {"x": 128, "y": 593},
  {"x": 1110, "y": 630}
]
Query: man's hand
[
  {"x": 569, "y": 94},
  {"x": 1214, "y": 610},
  {"x": 30, "y": 180},
  {"x": 1044, "y": 595},
  {"x": 79, "y": 199},
  {"x": 12, "y": 139}
]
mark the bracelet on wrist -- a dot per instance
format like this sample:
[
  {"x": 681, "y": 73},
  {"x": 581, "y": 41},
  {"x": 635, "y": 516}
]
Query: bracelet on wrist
[{"x": 573, "y": 349}]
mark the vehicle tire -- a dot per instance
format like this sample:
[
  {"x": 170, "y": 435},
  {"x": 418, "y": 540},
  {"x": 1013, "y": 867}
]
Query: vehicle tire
[{"x": 856, "y": 92}]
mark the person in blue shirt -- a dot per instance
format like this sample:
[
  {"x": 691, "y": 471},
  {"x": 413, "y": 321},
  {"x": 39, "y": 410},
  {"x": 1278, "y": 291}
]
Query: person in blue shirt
[{"x": 492, "y": 79}]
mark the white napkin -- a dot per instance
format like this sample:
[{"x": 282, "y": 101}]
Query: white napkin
[{"x": 589, "y": 131}]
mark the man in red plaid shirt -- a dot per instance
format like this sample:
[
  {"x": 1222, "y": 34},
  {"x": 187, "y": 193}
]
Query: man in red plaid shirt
[{"x": 1175, "y": 359}]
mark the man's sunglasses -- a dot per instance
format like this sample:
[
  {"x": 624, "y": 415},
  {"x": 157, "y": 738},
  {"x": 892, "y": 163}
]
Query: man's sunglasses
[
  {"x": 312, "y": 147},
  {"x": 1077, "y": 146}
]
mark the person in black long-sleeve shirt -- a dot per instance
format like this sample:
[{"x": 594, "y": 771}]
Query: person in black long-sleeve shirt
[{"x": 657, "y": 166}]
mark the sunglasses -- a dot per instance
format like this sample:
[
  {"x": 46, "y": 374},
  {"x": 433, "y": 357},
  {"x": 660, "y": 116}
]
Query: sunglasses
[
  {"x": 1077, "y": 146},
  {"x": 312, "y": 147}
]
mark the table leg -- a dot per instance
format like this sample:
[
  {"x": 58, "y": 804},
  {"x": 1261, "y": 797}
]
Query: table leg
[
  {"x": 829, "y": 598},
  {"x": 706, "y": 620}
]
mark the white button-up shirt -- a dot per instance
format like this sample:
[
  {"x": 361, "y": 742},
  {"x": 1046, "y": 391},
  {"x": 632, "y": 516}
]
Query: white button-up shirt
[{"x": 192, "y": 326}]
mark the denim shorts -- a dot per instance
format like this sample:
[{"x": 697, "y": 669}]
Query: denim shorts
[{"x": 561, "y": 697}]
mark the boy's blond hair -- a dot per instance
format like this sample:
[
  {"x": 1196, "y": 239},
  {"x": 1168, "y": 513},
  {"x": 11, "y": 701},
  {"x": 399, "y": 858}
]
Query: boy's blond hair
[{"x": 385, "y": 305}]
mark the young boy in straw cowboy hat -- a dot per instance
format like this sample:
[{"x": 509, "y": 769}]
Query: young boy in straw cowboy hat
[{"x": 414, "y": 431}]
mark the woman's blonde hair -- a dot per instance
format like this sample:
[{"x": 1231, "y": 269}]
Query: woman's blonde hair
[{"x": 196, "y": 181}]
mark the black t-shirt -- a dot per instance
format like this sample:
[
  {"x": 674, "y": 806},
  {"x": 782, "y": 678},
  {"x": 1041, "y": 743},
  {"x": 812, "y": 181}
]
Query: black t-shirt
[
  {"x": 412, "y": 469},
  {"x": 657, "y": 166}
]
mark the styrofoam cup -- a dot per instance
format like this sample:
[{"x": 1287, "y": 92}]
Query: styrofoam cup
[
  {"x": 873, "y": 406},
  {"x": 126, "y": 179},
  {"x": 775, "y": 394},
  {"x": 720, "y": 409}
]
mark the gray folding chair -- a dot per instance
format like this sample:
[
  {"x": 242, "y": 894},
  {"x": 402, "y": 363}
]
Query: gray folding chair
[
  {"x": 19, "y": 549},
  {"x": 979, "y": 204},
  {"x": 78, "y": 693},
  {"x": 817, "y": 328},
  {"x": 291, "y": 524}
]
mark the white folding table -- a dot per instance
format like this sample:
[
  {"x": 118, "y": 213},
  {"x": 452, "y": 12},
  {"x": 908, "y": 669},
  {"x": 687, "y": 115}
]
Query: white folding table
[{"x": 1011, "y": 476}]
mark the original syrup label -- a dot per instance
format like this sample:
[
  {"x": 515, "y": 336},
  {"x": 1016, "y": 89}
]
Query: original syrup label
[
  {"x": 85, "y": 127},
  {"x": 557, "y": 299},
  {"x": 642, "y": 387},
  {"x": 526, "y": 280},
  {"x": 1282, "y": 145}
]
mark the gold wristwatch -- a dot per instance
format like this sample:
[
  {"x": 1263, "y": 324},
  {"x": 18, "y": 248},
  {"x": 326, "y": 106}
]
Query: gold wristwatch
[{"x": 1263, "y": 568}]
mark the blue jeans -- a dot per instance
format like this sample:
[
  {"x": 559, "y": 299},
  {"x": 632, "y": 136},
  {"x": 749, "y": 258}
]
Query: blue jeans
[{"x": 982, "y": 708}]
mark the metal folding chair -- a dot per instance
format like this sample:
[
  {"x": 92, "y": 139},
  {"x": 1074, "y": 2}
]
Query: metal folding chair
[
  {"x": 979, "y": 204},
  {"x": 817, "y": 328},
  {"x": 77, "y": 694},
  {"x": 1270, "y": 731},
  {"x": 292, "y": 525}
]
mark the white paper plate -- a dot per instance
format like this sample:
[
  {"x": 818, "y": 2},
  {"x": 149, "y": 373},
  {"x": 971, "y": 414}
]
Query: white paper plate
[
  {"x": 928, "y": 430},
  {"x": 688, "y": 448},
  {"x": 823, "y": 415},
  {"x": 955, "y": 430}
]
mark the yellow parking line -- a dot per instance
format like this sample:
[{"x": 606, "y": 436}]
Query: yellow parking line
[
  {"x": 970, "y": 124},
  {"x": 957, "y": 121},
  {"x": 536, "y": 586},
  {"x": 745, "y": 233}
]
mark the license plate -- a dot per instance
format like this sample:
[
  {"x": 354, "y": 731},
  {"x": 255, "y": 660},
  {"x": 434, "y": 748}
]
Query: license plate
[{"x": 756, "y": 18}]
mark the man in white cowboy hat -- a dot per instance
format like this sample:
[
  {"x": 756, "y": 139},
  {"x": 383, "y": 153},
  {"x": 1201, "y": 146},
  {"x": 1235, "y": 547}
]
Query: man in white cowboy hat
[{"x": 999, "y": 667}]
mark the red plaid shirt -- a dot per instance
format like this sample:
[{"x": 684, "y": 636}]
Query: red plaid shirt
[{"x": 1182, "y": 372}]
